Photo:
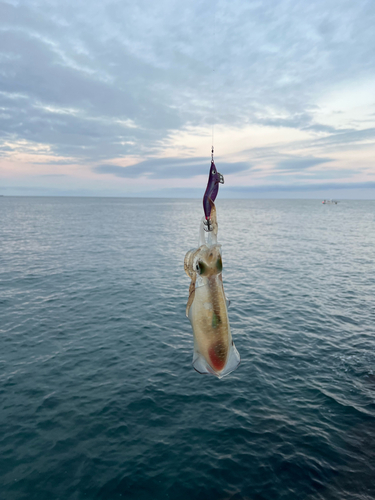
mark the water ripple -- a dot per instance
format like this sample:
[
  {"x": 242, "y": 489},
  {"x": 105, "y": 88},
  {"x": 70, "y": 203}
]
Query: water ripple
[{"x": 98, "y": 395}]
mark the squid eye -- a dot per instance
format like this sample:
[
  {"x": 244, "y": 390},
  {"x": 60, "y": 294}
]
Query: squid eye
[
  {"x": 219, "y": 265},
  {"x": 201, "y": 268},
  {"x": 213, "y": 172}
]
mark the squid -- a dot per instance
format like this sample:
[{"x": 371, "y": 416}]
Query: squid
[{"x": 214, "y": 349}]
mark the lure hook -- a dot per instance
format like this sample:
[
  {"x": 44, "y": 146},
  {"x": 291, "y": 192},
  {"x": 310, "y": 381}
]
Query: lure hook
[{"x": 207, "y": 225}]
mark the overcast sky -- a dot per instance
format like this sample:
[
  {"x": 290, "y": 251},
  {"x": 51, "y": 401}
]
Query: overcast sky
[{"x": 119, "y": 98}]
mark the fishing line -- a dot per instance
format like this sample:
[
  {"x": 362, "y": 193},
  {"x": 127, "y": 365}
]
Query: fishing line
[{"x": 213, "y": 96}]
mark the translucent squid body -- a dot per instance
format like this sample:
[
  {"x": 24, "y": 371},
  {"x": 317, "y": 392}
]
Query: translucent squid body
[{"x": 214, "y": 350}]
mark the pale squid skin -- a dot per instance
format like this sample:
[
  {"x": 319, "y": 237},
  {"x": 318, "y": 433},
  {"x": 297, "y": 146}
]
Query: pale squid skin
[{"x": 214, "y": 350}]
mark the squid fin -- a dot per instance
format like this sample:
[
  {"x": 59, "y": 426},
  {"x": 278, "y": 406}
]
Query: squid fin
[
  {"x": 201, "y": 366},
  {"x": 234, "y": 359}
]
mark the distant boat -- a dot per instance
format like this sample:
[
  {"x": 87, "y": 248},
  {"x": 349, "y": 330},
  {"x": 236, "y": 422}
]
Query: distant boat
[{"x": 329, "y": 202}]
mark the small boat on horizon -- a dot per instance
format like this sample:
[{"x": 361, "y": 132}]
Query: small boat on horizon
[{"x": 329, "y": 202}]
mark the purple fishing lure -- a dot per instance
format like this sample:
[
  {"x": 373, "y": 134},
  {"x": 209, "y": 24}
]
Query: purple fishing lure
[{"x": 214, "y": 179}]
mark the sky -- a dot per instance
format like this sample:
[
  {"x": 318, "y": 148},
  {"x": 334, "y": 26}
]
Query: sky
[{"x": 125, "y": 98}]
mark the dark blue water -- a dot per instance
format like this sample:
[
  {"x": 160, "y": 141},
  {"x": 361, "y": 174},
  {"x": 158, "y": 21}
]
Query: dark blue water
[{"x": 98, "y": 398}]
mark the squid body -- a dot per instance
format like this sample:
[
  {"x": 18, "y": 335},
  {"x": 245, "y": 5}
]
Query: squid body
[{"x": 214, "y": 350}]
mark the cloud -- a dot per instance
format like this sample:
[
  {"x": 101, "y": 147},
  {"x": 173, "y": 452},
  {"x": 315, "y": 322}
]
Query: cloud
[
  {"x": 169, "y": 168},
  {"x": 46, "y": 176},
  {"x": 100, "y": 82},
  {"x": 302, "y": 187},
  {"x": 348, "y": 137},
  {"x": 301, "y": 163},
  {"x": 54, "y": 162}
]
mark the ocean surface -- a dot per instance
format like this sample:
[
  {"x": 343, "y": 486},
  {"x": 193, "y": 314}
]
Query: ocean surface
[{"x": 98, "y": 397}]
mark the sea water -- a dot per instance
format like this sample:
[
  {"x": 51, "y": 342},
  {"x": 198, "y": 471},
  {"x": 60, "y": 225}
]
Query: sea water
[{"x": 98, "y": 397}]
